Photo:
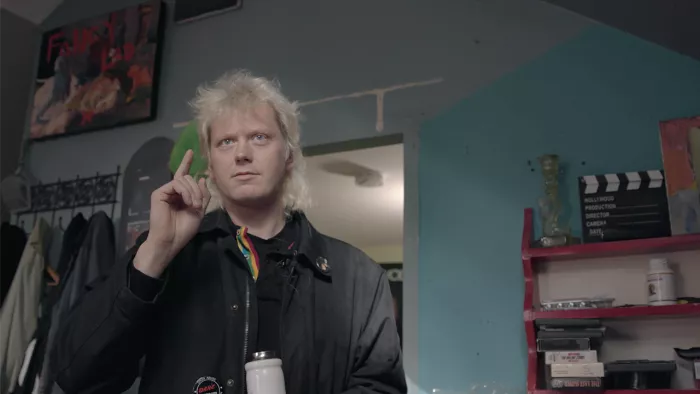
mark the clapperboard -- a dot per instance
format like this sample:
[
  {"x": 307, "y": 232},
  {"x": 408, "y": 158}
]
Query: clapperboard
[{"x": 616, "y": 207}]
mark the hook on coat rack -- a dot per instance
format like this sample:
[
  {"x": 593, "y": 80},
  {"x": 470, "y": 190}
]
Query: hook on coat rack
[
  {"x": 80, "y": 192},
  {"x": 53, "y": 213},
  {"x": 94, "y": 193}
]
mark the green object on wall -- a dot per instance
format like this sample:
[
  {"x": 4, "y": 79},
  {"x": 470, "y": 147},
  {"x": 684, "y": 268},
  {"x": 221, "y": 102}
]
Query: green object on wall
[{"x": 188, "y": 140}]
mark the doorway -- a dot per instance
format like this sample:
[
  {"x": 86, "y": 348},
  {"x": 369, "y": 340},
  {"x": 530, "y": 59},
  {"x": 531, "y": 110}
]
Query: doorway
[{"x": 357, "y": 196}]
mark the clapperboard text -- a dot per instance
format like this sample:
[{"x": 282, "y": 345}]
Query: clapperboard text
[
  {"x": 623, "y": 206},
  {"x": 599, "y": 210}
]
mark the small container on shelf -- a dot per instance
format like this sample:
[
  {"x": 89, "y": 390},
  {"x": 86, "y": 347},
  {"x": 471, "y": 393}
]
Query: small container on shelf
[{"x": 661, "y": 283}]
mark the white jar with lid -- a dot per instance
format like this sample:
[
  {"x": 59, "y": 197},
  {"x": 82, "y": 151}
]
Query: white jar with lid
[
  {"x": 264, "y": 374},
  {"x": 661, "y": 283}
]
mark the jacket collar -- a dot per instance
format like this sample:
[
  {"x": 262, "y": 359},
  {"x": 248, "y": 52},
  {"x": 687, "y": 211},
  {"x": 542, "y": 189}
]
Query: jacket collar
[
  {"x": 40, "y": 235},
  {"x": 309, "y": 244}
]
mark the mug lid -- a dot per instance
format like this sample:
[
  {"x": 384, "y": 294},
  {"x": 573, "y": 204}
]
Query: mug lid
[{"x": 264, "y": 355}]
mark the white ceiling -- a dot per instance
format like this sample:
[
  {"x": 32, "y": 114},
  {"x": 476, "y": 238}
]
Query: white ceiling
[
  {"x": 34, "y": 11},
  {"x": 363, "y": 217}
]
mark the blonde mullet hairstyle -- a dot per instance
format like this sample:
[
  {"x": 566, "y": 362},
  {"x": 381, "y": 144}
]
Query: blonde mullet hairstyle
[{"x": 239, "y": 91}]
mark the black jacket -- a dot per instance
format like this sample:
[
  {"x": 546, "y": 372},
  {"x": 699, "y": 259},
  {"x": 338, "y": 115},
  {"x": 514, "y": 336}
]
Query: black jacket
[
  {"x": 338, "y": 332},
  {"x": 92, "y": 260},
  {"x": 100, "y": 237},
  {"x": 13, "y": 241}
]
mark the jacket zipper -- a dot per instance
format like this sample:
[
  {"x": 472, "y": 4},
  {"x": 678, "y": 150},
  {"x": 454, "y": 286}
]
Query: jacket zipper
[
  {"x": 285, "y": 299},
  {"x": 246, "y": 329}
]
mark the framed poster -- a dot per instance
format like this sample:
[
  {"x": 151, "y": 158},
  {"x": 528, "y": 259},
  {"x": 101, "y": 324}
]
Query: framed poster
[
  {"x": 680, "y": 145},
  {"x": 190, "y": 10},
  {"x": 98, "y": 73}
]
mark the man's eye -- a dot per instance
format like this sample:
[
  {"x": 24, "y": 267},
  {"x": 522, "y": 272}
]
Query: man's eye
[
  {"x": 260, "y": 137},
  {"x": 226, "y": 141}
]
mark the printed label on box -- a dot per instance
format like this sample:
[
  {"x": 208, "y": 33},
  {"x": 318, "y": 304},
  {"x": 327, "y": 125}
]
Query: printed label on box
[
  {"x": 585, "y": 356},
  {"x": 577, "y": 383},
  {"x": 585, "y": 370}
]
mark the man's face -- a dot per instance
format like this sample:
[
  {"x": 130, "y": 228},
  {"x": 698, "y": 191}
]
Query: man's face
[{"x": 248, "y": 156}]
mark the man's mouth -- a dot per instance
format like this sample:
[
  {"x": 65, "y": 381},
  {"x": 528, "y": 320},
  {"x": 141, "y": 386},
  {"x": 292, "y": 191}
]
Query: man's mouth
[{"x": 244, "y": 174}]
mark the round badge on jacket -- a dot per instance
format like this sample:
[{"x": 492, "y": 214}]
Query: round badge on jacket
[{"x": 207, "y": 385}]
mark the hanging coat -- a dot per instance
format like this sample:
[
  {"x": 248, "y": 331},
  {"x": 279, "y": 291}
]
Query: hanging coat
[
  {"x": 13, "y": 242},
  {"x": 72, "y": 239},
  {"x": 94, "y": 260},
  {"x": 20, "y": 312}
]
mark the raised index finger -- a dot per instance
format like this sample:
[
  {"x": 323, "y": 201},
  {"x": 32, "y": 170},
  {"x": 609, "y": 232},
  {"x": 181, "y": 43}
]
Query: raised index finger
[{"x": 185, "y": 164}]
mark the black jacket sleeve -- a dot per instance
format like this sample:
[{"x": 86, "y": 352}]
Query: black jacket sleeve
[
  {"x": 379, "y": 365},
  {"x": 99, "y": 345}
]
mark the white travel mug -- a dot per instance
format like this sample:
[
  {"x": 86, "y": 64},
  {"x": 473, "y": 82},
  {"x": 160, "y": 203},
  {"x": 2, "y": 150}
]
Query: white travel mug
[{"x": 264, "y": 374}]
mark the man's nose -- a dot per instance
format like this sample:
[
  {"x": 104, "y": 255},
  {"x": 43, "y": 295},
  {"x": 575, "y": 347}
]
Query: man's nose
[{"x": 243, "y": 152}]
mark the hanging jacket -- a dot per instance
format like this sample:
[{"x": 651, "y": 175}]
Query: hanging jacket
[
  {"x": 20, "y": 312},
  {"x": 94, "y": 260},
  {"x": 71, "y": 241},
  {"x": 13, "y": 242},
  {"x": 337, "y": 328}
]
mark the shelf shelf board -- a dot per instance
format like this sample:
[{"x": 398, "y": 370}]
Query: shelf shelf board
[
  {"x": 651, "y": 391},
  {"x": 617, "y": 248},
  {"x": 603, "y": 249},
  {"x": 532, "y": 256},
  {"x": 623, "y": 312}
]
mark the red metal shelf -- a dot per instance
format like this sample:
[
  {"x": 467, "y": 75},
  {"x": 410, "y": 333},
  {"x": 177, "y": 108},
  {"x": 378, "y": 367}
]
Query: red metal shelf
[
  {"x": 617, "y": 313},
  {"x": 609, "y": 249},
  {"x": 532, "y": 256},
  {"x": 688, "y": 391}
]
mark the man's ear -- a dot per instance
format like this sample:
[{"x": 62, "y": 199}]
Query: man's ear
[
  {"x": 209, "y": 173},
  {"x": 290, "y": 160}
]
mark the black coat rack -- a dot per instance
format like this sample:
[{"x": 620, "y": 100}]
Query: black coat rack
[{"x": 72, "y": 194}]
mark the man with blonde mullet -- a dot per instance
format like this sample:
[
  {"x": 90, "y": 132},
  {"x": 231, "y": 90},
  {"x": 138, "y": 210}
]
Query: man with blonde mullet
[{"x": 232, "y": 267}]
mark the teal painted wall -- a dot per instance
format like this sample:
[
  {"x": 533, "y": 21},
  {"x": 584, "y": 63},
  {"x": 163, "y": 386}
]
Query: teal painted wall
[{"x": 596, "y": 99}]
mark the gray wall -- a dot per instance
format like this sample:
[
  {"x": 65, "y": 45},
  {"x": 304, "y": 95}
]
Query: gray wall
[
  {"x": 18, "y": 40},
  {"x": 320, "y": 49}
]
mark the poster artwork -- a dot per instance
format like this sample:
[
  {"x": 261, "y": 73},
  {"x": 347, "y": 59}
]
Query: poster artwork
[
  {"x": 98, "y": 73},
  {"x": 680, "y": 145},
  {"x": 189, "y": 10}
]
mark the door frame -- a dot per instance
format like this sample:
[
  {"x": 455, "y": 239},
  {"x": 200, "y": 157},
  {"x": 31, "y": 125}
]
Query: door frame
[{"x": 410, "y": 142}]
